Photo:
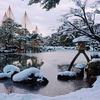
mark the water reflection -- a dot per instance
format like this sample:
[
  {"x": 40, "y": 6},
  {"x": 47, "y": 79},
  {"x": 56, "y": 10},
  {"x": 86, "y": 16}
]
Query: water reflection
[
  {"x": 22, "y": 61},
  {"x": 49, "y": 69},
  {"x": 6, "y": 86},
  {"x": 10, "y": 87},
  {"x": 63, "y": 68}
]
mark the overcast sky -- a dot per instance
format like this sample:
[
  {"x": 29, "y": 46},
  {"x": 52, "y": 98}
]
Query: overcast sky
[{"x": 38, "y": 16}]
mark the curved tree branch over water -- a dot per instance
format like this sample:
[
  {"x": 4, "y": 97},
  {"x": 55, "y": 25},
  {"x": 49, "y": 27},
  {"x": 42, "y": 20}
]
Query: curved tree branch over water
[{"x": 84, "y": 11}]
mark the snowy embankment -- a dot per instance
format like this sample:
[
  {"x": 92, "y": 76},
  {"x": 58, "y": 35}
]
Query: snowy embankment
[
  {"x": 54, "y": 48},
  {"x": 83, "y": 94}
]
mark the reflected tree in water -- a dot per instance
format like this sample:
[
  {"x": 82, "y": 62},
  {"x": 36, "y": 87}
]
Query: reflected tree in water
[
  {"x": 22, "y": 61},
  {"x": 64, "y": 67}
]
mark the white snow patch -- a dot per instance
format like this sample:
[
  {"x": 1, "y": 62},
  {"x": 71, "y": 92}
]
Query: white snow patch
[
  {"x": 81, "y": 39},
  {"x": 95, "y": 60},
  {"x": 2, "y": 75},
  {"x": 94, "y": 54},
  {"x": 97, "y": 83},
  {"x": 67, "y": 73},
  {"x": 80, "y": 66},
  {"x": 10, "y": 68},
  {"x": 23, "y": 75}
]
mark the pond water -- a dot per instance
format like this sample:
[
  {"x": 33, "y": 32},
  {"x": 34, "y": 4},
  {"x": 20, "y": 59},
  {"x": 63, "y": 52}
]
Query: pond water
[{"x": 50, "y": 63}]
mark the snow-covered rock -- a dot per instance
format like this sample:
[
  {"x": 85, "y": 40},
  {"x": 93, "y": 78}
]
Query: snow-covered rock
[
  {"x": 79, "y": 69},
  {"x": 4, "y": 76},
  {"x": 95, "y": 55},
  {"x": 94, "y": 60},
  {"x": 66, "y": 75},
  {"x": 93, "y": 69},
  {"x": 10, "y": 68},
  {"x": 9, "y": 71},
  {"x": 31, "y": 76},
  {"x": 80, "y": 66}
]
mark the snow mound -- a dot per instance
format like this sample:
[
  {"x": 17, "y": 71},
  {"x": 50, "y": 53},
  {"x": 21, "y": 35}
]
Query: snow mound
[
  {"x": 11, "y": 69},
  {"x": 4, "y": 75},
  {"x": 80, "y": 66},
  {"x": 95, "y": 60},
  {"x": 95, "y": 55},
  {"x": 23, "y": 75},
  {"x": 30, "y": 75},
  {"x": 67, "y": 73}
]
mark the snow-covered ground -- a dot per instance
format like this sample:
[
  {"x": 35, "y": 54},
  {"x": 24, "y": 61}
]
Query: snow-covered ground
[{"x": 83, "y": 94}]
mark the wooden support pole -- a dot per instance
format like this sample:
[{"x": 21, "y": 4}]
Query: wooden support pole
[
  {"x": 80, "y": 51},
  {"x": 71, "y": 64}
]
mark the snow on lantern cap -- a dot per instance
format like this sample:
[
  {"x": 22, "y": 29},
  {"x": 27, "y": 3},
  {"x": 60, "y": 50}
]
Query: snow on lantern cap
[{"x": 81, "y": 39}]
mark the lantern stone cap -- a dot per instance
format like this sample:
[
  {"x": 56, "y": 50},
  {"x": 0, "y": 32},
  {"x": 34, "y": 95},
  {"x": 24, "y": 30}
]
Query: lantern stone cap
[{"x": 81, "y": 39}]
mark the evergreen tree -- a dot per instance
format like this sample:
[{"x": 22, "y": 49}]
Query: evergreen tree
[
  {"x": 47, "y": 4},
  {"x": 8, "y": 30}
]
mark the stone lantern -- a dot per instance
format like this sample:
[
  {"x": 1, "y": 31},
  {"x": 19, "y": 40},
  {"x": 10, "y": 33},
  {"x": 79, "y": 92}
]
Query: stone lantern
[
  {"x": 81, "y": 46},
  {"x": 81, "y": 41}
]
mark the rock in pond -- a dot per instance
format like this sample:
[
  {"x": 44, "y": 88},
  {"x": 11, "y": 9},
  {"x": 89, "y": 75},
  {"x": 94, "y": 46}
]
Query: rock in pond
[
  {"x": 66, "y": 75},
  {"x": 9, "y": 71},
  {"x": 30, "y": 76}
]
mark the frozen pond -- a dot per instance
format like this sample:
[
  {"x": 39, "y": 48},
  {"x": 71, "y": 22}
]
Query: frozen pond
[{"x": 50, "y": 69}]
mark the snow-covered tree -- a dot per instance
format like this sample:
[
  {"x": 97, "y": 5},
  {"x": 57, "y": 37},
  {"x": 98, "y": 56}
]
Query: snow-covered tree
[
  {"x": 8, "y": 29},
  {"x": 87, "y": 25},
  {"x": 82, "y": 12}
]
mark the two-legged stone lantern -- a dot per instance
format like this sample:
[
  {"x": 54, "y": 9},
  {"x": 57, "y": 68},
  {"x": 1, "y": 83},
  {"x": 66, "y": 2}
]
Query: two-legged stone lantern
[{"x": 81, "y": 49}]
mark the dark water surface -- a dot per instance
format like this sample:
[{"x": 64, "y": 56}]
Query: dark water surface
[{"x": 49, "y": 68}]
